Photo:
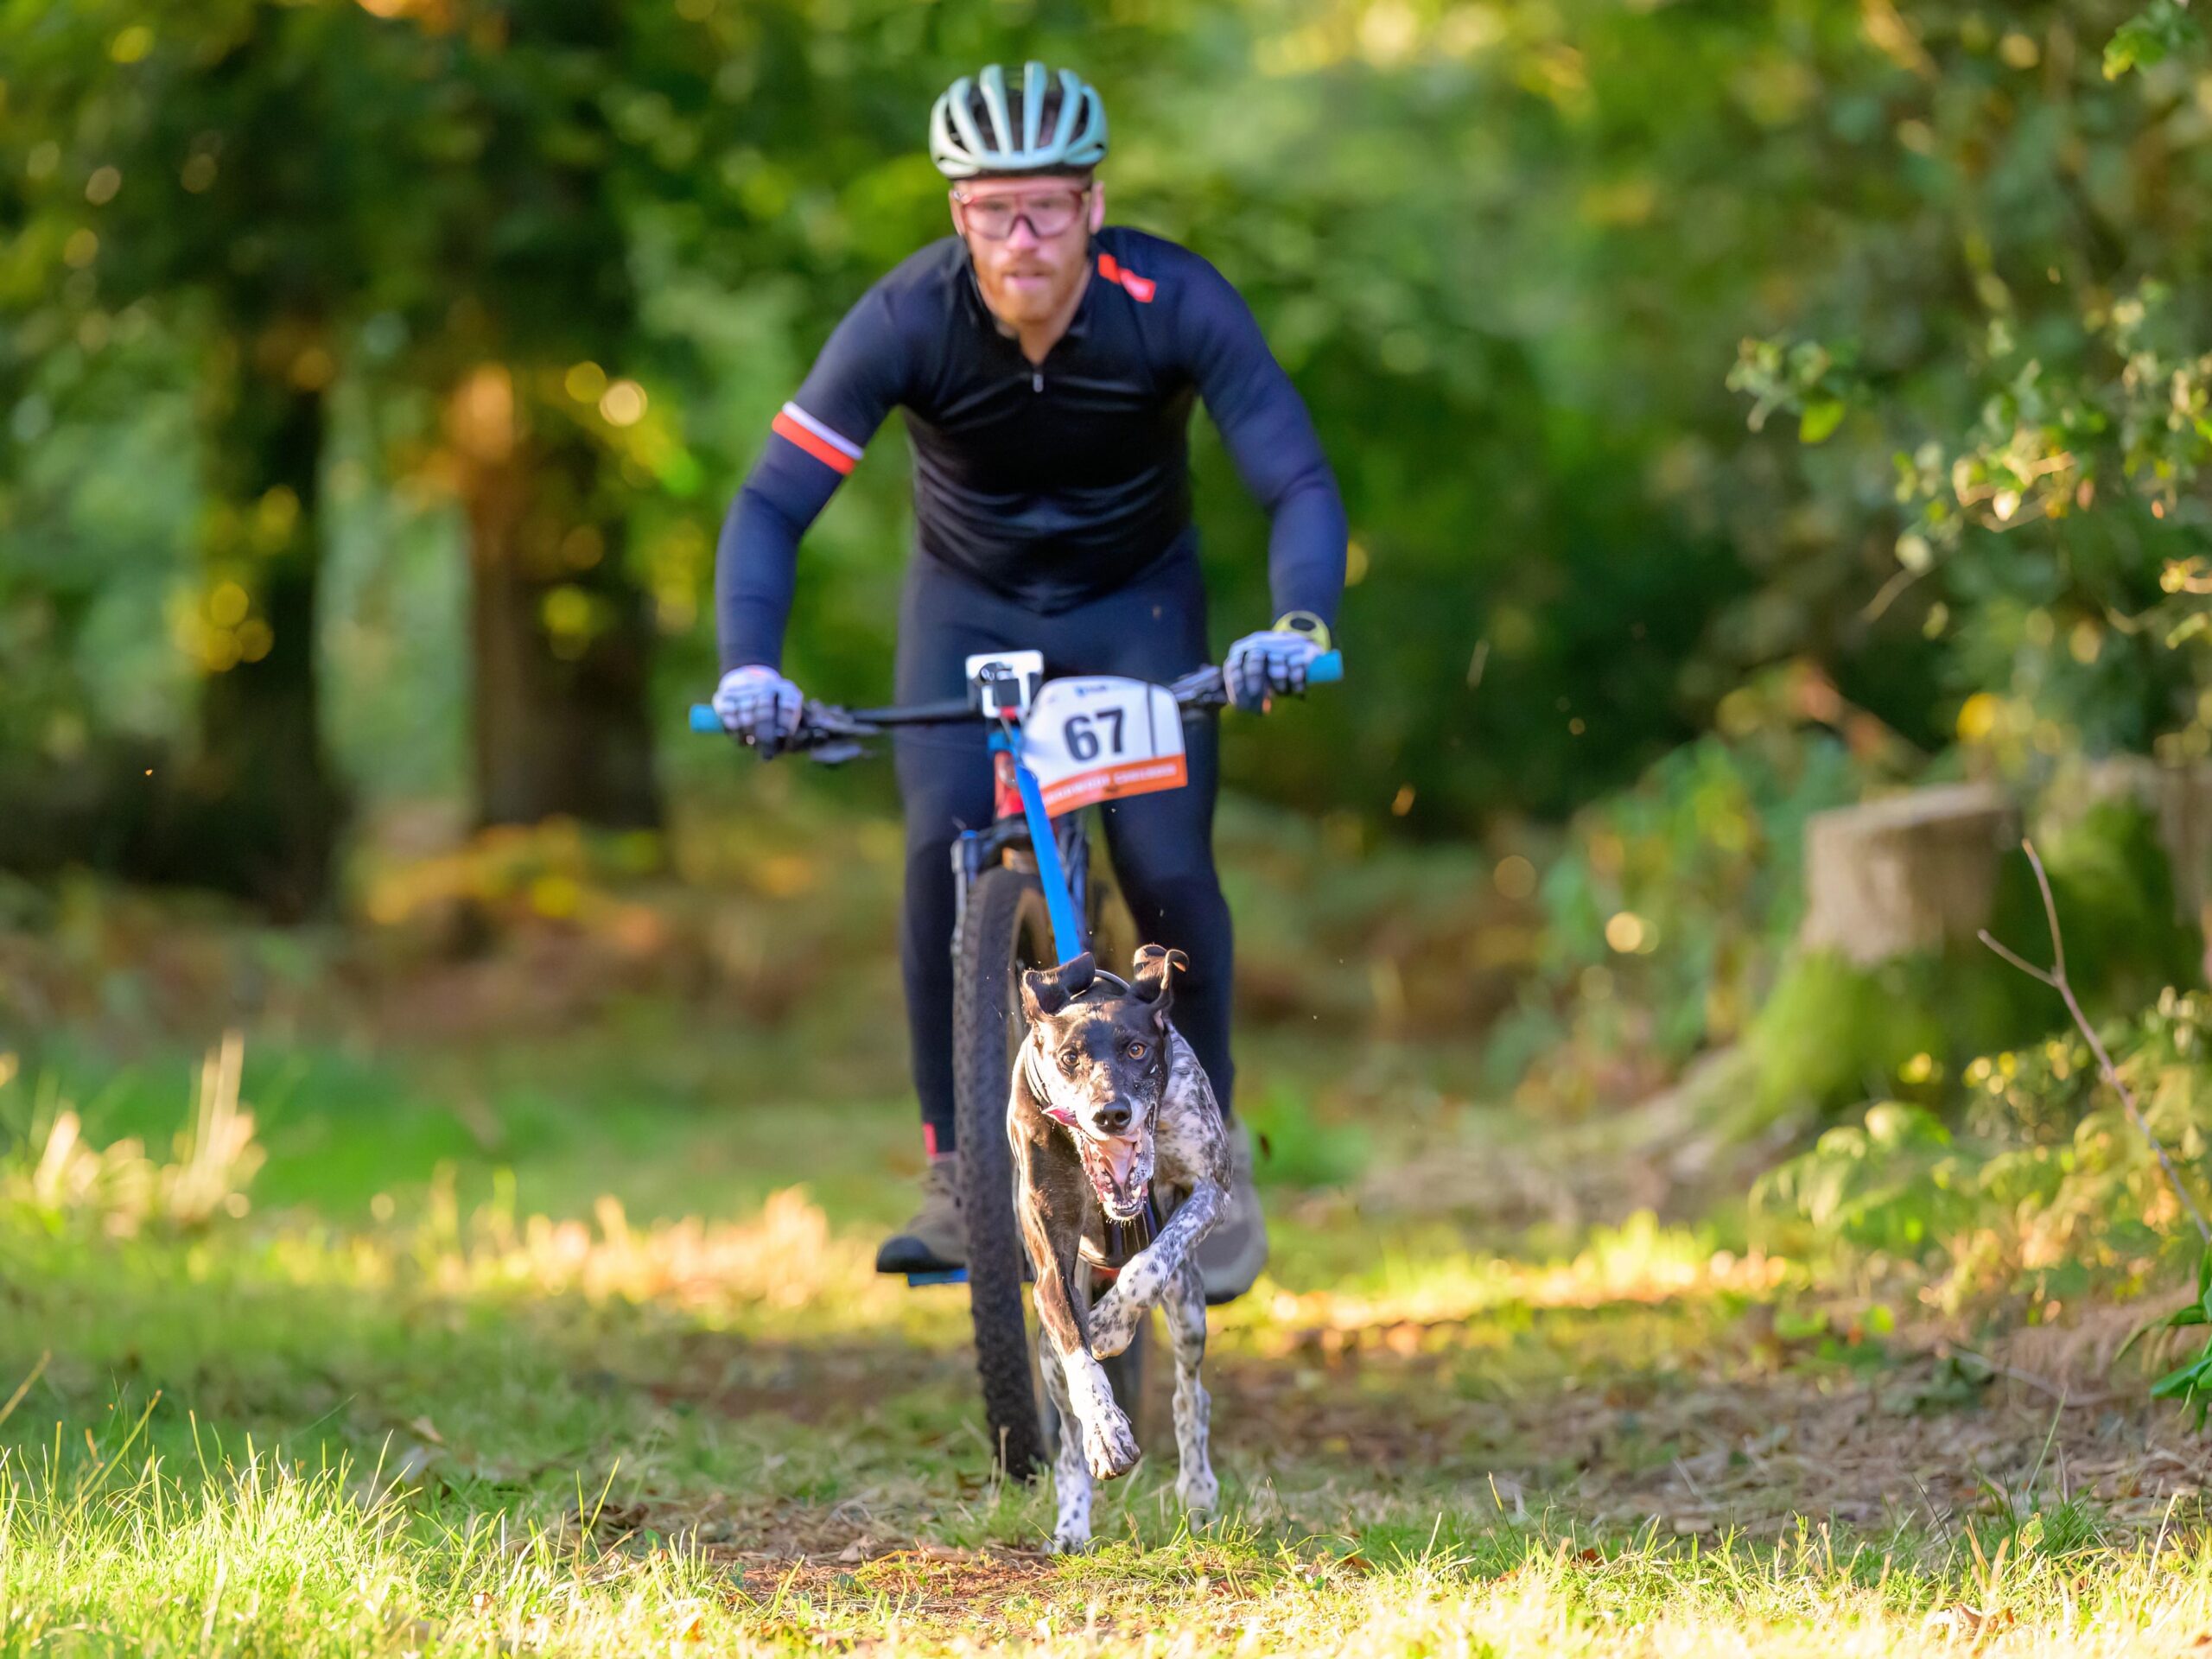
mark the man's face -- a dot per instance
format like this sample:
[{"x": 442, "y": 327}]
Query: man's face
[{"x": 1030, "y": 238}]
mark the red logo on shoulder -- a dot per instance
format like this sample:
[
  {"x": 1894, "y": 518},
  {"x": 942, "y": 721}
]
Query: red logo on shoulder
[{"x": 1139, "y": 289}]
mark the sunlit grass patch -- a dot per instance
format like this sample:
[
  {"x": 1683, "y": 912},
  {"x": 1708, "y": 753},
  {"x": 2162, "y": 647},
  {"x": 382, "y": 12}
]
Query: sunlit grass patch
[
  {"x": 786, "y": 1257},
  {"x": 101, "y": 1553},
  {"x": 467, "y": 1428},
  {"x": 1640, "y": 1262}
]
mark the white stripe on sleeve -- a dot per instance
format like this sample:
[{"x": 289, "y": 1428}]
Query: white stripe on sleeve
[{"x": 836, "y": 441}]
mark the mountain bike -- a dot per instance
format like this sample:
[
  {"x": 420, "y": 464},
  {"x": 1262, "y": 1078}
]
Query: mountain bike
[{"x": 1026, "y": 898}]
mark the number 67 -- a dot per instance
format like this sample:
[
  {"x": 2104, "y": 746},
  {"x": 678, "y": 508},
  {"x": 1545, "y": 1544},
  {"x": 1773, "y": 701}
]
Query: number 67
[{"x": 1083, "y": 741}]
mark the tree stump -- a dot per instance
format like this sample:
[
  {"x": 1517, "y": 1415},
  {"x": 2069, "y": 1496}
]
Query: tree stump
[{"x": 1909, "y": 873}]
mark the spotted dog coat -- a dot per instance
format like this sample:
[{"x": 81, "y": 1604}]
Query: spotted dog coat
[{"x": 1107, "y": 1098}]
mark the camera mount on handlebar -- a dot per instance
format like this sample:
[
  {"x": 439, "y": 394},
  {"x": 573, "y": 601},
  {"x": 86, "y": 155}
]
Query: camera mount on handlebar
[
  {"x": 1003, "y": 681},
  {"x": 998, "y": 690}
]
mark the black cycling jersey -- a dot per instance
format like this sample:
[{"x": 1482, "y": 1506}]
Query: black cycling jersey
[{"x": 1052, "y": 483}]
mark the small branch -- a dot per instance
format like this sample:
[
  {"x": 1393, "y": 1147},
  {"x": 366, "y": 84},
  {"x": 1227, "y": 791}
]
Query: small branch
[
  {"x": 2055, "y": 976},
  {"x": 1899, "y": 580},
  {"x": 2019, "y": 961},
  {"x": 2058, "y": 1391},
  {"x": 2050, "y": 919}
]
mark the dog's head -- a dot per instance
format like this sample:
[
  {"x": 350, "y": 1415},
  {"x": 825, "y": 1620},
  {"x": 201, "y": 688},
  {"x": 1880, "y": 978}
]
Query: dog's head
[{"x": 1099, "y": 1058}]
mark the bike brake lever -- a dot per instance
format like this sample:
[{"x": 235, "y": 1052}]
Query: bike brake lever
[
  {"x": 1202, "y": 688},
  {"x": 828, "y": 735}
]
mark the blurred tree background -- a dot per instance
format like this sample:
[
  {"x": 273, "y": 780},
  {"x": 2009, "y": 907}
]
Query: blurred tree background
[{"x": 1738, "y": 409}]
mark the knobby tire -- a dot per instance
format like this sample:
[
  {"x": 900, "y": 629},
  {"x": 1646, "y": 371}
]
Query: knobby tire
[{"x": 1005, "y": 917}]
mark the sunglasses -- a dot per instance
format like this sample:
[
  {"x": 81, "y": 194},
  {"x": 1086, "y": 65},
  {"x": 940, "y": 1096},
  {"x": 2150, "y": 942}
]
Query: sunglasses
[{"x": 1049, "y": 212}]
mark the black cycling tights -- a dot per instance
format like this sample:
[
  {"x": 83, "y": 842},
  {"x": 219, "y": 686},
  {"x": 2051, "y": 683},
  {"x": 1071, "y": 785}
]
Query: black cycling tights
[{"x": 1161, "y": 845}]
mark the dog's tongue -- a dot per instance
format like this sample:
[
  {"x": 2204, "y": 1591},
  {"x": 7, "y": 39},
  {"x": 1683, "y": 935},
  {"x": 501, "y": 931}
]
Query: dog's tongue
[{"x": 1120, "y": 1157}]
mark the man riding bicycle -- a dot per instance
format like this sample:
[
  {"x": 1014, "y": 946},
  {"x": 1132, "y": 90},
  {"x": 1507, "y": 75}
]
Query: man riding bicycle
[{"x": 1046, "y": 363}]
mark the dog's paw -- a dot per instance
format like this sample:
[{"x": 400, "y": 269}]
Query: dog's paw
[
  {"x": 1070, "y": 1542},
  {"x": 1113, "y": 1323},
  {"x": 1200, "y": 1495},
  {"x": 1110, "y": 1444}
]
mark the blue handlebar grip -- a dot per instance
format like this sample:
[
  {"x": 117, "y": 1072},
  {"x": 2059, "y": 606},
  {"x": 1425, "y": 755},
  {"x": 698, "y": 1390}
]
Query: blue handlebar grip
[
  {"x": 704, "y": 719},
  {"x": 1327, "y": 669}
]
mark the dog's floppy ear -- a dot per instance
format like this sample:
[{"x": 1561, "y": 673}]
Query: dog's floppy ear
[
  {"x": 1150, "y": 979},
  {"x": 1045, "y": 992}
]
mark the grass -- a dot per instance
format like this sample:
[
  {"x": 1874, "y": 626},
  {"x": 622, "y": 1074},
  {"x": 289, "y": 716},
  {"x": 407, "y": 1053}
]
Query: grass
[{"x": 426, "y": 1358}]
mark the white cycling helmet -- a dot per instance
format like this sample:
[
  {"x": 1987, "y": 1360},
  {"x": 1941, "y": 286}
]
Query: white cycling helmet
[{"x": 1053, "y": 125}]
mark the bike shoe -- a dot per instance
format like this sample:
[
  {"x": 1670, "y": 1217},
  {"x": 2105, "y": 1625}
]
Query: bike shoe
[
  {"x": 1231, "y": 1257},
  {"x": 936, "y": 1239}
]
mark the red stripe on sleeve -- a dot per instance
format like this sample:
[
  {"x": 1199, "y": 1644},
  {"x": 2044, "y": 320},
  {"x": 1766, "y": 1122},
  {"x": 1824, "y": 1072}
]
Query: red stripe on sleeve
[{"x": 836, "y": 460}]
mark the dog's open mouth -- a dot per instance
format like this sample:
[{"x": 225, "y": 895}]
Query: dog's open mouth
[{"x": 1120, "y": 1172}]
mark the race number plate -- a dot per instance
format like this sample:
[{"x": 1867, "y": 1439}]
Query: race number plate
[{"x": 1097, "y": 739}]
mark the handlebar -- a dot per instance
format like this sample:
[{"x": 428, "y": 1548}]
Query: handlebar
[{"x": 833, "y": 732}]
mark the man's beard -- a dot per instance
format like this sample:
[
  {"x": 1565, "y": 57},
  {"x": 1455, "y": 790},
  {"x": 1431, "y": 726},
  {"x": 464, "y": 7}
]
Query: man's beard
[
  {"x": 1032, "y": 301},
  {"x": 1036, "y": 303}
]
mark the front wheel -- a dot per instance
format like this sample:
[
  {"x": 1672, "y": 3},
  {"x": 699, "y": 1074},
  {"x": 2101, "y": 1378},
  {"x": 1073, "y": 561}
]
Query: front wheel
[{"x": 1004, "y": 929}]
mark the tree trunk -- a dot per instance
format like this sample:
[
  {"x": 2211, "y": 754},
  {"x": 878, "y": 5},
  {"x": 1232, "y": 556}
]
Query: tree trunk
[
  {"x": 253, "y": 810},
  {"x": 559, "y": 632},
  {"x": 1906, "y": 874}
]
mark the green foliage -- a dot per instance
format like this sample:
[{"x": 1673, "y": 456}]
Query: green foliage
[
  {"x": 2160, "y": 31},
  {"x": 1668, "y": 910},
  {"x": 1832, "y": 1032},
  {"x": 2126, "y": 938},
  {"x": 1891, "y": 1183},
  {"x": 2024, "y": 1178},
  {"x": 1704, "y": 857},
  {"x": 1294, "y": 1148},
  {"x": 2018, "y": 313},
  {"x": 2191, "y": 1381},
  {"x": 1565, "y": 558}
]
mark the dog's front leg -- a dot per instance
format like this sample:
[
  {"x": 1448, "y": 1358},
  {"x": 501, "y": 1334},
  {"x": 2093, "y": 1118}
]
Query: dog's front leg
[
  {"x": 1070, "y": 1471},
  {"x": 1139, "y": 1286},
  {"x": 1184, "y": 1304},
  {"x": 1110, "y": 1444}
]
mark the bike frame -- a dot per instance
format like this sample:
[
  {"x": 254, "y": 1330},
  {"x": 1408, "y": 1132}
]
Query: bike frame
[{"x": 1061, "y": 852}]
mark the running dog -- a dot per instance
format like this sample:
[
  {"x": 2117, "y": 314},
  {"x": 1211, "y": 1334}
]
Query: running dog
[{"x": 1108, "y": 1100}]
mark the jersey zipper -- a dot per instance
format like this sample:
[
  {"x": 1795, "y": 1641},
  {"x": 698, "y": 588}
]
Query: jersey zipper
[{"x": 1036, "y": 379}]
